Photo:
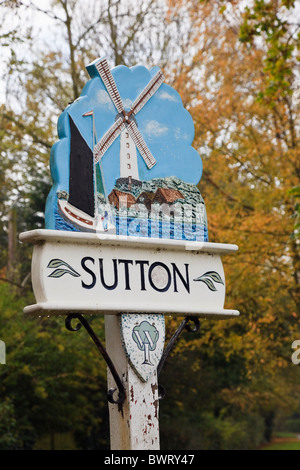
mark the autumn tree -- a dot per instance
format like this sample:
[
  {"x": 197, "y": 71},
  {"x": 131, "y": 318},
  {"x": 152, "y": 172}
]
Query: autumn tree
[{"x": 241, "y": 95}]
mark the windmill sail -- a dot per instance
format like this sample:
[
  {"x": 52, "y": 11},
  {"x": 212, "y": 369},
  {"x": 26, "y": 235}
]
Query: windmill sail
[
  {"x": 126, "y": 119},
  {"x": 148, "y": 91},
  {"x": 81, "y": 183},
  {"x": 108, "y": 139}
]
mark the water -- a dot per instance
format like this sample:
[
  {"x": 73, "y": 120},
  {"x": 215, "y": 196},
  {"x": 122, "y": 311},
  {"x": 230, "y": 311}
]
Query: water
[
  {"x": 161, "y": 229},
  {"x": 142, "y": 227}
]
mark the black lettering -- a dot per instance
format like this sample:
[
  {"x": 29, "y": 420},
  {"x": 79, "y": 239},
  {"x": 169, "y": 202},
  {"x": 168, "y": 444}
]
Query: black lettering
[
  {"x": 83, "y": 261},
  {"x": 185, "y": 281},
  {"x": 115, "y": 283},
  {"x": 153, "y": 266},
  {"x": 126, "y": 263},
  {"x": 142, "y": 263}
]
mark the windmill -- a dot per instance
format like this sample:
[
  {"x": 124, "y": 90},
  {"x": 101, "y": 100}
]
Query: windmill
[
  {"x": 81, "y": 208},
  {"x": 125, "y": 124}
]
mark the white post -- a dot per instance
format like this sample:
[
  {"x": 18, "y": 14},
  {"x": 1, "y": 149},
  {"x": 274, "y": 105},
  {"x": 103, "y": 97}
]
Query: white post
[{"x": 134, "y": 425}]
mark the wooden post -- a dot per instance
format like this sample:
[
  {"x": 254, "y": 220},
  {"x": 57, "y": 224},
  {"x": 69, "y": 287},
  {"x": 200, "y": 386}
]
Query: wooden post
[{"x": 133, "y": 425}]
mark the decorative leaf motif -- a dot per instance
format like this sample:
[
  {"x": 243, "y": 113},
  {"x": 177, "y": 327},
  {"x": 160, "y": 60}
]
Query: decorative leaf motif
[
  {"x": 209, "y": 278},
  {"x": 56, "y": 263},
  {"x": 209, "y": 283},
  {"x": 214, "y": 276}
]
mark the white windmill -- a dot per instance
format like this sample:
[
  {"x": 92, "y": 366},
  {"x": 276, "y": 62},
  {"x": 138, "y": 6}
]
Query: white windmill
[
  {"x": 98, "y": 217},
  {"x": 125, "y": 124}
]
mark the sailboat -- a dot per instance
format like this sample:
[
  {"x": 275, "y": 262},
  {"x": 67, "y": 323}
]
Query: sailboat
[{"x": 86, "y": 186}]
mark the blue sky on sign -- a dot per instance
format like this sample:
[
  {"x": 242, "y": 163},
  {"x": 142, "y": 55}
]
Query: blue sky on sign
[{"x": 164, "y": 123}]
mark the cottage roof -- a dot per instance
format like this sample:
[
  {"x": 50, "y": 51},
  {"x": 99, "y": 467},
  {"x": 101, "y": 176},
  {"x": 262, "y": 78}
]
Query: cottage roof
[
  {"x": 169, "y": 195},
  {"x": 119, "y": 194},
  {"x": 116, "y": 196}
]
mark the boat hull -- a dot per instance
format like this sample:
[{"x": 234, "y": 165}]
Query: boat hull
[{"x": 84, "y": 222}]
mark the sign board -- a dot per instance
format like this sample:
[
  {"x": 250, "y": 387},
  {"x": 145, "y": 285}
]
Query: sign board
[
  {"x": 126, "y": 225},
  {"x": 109, "y": 274},
  {"x": 126, "y": 232},
  {"x": 124, "y": 163}
]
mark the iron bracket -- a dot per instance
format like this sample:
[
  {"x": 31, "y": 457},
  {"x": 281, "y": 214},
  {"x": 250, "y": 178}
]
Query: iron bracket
[
  {"x": 103, "y": 352},
  {"x": 184, "y": 325}
]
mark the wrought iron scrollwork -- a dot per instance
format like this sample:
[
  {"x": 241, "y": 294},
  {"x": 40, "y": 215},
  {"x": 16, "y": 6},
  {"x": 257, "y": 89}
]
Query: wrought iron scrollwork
[
  {"x": 184, "y": 325},
  {"x": 103, "y": 352}
]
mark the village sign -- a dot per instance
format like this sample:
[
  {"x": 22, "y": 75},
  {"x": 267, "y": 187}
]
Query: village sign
[{"x": 126, "y": 228}]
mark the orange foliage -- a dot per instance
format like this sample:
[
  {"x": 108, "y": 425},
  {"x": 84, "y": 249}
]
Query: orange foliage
[{"x": 250, "y": 155}]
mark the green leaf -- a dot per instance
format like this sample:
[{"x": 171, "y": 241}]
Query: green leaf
[
  {"x": 56, "y": 263},
  {"x": 209, "y": 283},
  {"x": 214, "y": 276},
  {"x": 208, "y": 279},
  {"x": 61, "y": 272}
]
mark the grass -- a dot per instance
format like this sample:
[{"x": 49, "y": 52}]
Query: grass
[
  {"x": 291, "y": 435},
  {"x": 283, "y": 446},
  {"x": 283, "y": 441}
]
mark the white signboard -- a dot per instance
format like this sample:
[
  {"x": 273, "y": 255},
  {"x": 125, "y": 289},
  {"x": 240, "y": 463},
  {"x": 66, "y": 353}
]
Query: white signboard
[{"x": 109, "y": 274}]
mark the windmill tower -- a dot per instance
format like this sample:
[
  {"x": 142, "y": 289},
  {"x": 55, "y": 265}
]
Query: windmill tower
[{"x": 128, "y": 157}]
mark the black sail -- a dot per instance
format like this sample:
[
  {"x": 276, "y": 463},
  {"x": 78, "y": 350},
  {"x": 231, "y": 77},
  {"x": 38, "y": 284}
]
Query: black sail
[{"x": 81, "y": 183}]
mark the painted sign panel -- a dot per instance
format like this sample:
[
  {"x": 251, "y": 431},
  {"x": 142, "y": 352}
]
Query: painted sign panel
[
  {"x": 111, "y": 274},
  {"x": 124, "y": 162}
]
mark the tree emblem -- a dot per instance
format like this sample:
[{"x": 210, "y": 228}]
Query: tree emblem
[{"x": 145, "y": 336}]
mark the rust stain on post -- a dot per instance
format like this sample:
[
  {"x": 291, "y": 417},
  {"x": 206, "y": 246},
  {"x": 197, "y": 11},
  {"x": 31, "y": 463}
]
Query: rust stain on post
[{"x": 154, "y": 388}]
